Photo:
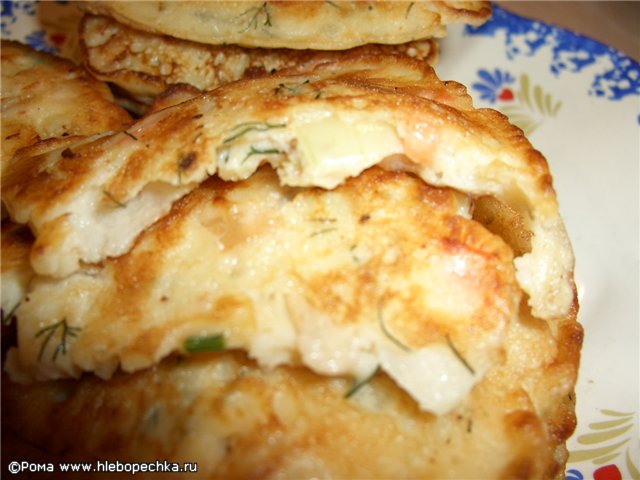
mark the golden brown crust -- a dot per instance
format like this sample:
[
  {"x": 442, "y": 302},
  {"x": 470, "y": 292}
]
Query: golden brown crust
[
  {"x": 44, "y": 97},
  {"x": 387, "y": 109},
  {"x": 215, "y": 408},
  {"x": 145, "y": 64},
  {"x": 318, "y": 25},
  {"x": 292, "y": 275}
]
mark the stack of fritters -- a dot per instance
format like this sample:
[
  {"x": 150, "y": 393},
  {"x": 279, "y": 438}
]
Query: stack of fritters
[
  {"x": 341, "y": 270},
  {"x": 146, "y": 47}
]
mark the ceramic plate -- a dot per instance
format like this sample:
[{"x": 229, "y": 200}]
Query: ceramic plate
[{"x": 579, "y": 103}]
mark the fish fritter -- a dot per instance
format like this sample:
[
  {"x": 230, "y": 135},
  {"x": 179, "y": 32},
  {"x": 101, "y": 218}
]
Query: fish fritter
[
  {"x": 145, "y": 64},
  {"x": 381, "y": 272},
  {"x": 238, "y": 420},
  {"x": 318, "y": 25},
  {"x": 44, "y": 97},
  {"x": 315, "y": 128}
]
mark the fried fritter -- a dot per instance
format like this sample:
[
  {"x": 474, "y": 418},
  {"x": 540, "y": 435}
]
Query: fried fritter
[
  {"x": 315, "y": 128},
  {"x": 145, "y": 64},
  {"x": 381, "y": 272},
  {"x": 318, "y": 25},
  {"x": 238, "y": 420},
  {"x": 44, "y": 97},
  {"x": 47, "y": 103},
  {"x": 16, "y": 269}
]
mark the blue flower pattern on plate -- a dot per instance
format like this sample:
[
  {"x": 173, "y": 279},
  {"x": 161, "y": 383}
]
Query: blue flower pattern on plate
[
  {"x": 574, "y": 475},
  {"x": 11, "y": 10},
  {"x": 37, "y": 41},
  {"x": 570, "y": 52},
  {"x": 491, "y": 84}
]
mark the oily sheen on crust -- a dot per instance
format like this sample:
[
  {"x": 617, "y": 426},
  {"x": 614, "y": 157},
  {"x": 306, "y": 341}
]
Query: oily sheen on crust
[
  {"x": 215, "y": 408},
  {"x": 383, "y": 272},
  {"x": 315, "y": 128}
]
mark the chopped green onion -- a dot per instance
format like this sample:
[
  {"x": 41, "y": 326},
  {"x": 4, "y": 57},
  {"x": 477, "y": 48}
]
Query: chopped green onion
[{"x": 209, "y": 343}]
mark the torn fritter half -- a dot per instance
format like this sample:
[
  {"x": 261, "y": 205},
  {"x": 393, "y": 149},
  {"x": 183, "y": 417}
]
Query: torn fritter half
[{"x": 316, "y": 129}]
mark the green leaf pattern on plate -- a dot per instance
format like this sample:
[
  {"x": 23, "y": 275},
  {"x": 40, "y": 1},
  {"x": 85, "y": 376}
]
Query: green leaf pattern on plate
[
  {"x": 608, "y": 440},
  {"x": 534, "y": 105}
]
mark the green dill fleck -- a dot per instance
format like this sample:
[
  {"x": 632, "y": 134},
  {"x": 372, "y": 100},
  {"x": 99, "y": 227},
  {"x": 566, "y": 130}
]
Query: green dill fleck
[
  {"x": 129, "y": 134},
  {"x": 323, "y": 231},
  {"x": 333, "y": 4},
  {"x": 114, "y": 199},
  {"x": 242, "y": 128},
  {"x": 357, "y": 260},
  {"x": 323, "y": 219},
  {"x": 260, "y": 151},
  {"x": 292, "y": 88},
  {"x": 208, "y": 343},
  {"x": 459, "y": 355},
  {"x": 469, "y": 425},
  {"x": 406, "y": 15},
  {"x": 254, "y": 13},
  {"x": 358, "y": 384},
  {"x": 384, "y": 329},
  {"x": 8, "y": 318},
  {"x": 66, "y": 331},
  {"x": 223, "y": 156}
]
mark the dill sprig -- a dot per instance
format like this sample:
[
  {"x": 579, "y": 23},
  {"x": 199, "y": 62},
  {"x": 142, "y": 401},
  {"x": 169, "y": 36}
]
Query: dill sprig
[
  {"x": 292, "y": 88},
  {"x": 66, "y": 332},
  {"x": 6, "y": 319},
  {"x": 251, "y": 126},
  {"x": 258, "y": 151},
  {"x": 131, "y": 135},
  {"x": 358, "y": 384},
  {"x": 254, "y": 14},
  {"x": 459, "y": 355},
  {"x": 406, "y": 15},
  {"x": 386, "y": 331},
  {"x": 113, "y": 199}
]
